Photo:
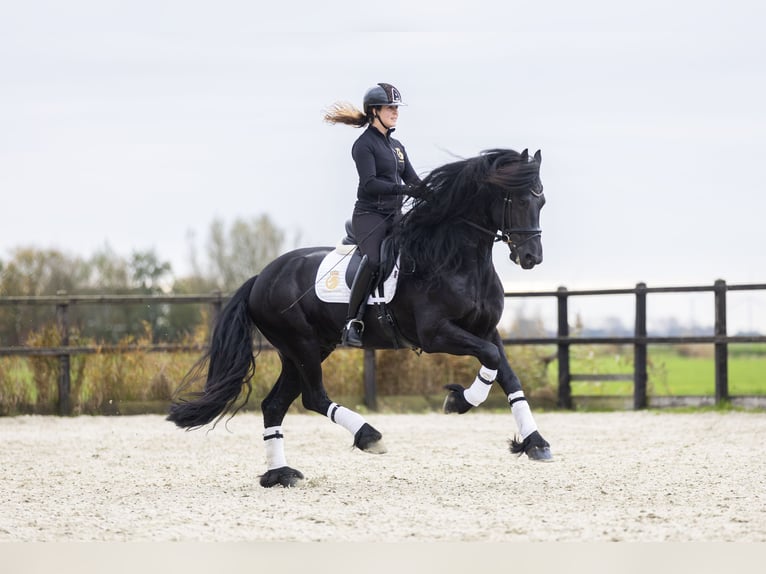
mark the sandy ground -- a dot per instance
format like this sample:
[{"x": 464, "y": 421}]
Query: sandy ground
[{"x": 625, "y": 476}]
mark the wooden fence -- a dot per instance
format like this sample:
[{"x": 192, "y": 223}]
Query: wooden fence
[
  {"x": 563, "y": 340},
  {"x": 640, "y": 340}
]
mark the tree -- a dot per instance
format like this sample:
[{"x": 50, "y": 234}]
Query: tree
[
  {"x": 32, "y": 272},
  {"x": 148, "y": 272},
  {"x": 243, "y": 250},
  {"x": 234, "y": 254},
  {"x": 41, "y": 272},
  {"x": 108, "y": 270}
]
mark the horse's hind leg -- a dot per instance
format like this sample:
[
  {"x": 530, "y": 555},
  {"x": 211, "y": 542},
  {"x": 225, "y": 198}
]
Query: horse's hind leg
[
  {"x": 274, "y": 407},
  {"x": 366, "y": 437},
  {"x": 315, "y": 398}
]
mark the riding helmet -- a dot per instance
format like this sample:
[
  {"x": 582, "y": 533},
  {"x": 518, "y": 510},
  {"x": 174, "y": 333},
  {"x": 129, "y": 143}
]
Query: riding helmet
[{"x": 382, "y": 95}]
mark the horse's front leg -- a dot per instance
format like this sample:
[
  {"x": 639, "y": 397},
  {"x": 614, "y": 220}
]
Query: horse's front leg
[
  {"x": 494, "y": 367},
  {"x": 447, "y": 337},
  {"x": 532, "y": 443}
]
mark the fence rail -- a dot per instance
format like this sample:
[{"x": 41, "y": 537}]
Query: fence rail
[
  {"x": 640, "y": 339},
  {"x": 563, "y": 340}
]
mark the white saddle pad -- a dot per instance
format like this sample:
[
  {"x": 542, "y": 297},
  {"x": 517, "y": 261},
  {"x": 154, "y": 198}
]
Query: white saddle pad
[{"x": 330, "y": 284}]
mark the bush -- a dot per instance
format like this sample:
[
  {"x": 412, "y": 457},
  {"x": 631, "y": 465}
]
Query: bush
[
  {"x": 101, "y": 381},
  {"x": 408, "y": 373},
  {"x": 17, "y": 388}
]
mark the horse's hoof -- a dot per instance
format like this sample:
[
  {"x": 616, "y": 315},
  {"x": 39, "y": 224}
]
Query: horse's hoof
[
  {"x": 455, "y": 402},
  {"x": 540, "y": 453},
  {"x": 284, "y": 475},
  {"x": 369, "y": 440},
  {"x": 534, "y": 446}
]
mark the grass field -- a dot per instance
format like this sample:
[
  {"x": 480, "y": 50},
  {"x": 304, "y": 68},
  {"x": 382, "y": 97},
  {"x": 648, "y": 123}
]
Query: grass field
[{"x": 674, "y": 370}]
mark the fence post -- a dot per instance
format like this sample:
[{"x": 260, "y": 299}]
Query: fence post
[
  {"x": 565, "y": 387},
  {"x": 639, "y": 350},
  {"x": 721, "y": 348},
  {"x": 65, "y": 382},
  {"x": 215, "y": 307},
  {"x": 370, "y": 391}
]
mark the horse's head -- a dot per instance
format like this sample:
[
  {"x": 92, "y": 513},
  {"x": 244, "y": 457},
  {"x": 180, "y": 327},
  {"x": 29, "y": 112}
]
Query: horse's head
[
  {"x": 517, "y": 215},
  {"x": 494, "y": 196}
]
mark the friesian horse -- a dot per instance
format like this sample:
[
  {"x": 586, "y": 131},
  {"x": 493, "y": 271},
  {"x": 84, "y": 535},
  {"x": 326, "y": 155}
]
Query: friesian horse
[{"x": 449, "y": 299}]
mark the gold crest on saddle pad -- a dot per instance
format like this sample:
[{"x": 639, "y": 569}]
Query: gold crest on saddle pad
[{"x": 333, "y": 280}]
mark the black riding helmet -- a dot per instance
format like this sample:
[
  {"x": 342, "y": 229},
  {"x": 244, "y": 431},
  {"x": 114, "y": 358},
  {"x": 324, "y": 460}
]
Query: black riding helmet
[{"x": 382, "y": 95}]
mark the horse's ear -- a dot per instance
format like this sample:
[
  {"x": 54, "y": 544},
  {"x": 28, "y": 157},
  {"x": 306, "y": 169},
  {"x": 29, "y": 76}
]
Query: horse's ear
[
  {"x": 538, "y": 157},
  {"x": 525, "y": 156}
]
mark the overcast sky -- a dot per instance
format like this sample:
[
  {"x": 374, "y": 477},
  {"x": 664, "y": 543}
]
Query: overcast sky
[{"x": 134, "y": 124}]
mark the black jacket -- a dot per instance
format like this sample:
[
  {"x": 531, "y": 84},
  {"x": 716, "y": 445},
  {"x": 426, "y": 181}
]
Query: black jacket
[{"x": 383, "y": 165}]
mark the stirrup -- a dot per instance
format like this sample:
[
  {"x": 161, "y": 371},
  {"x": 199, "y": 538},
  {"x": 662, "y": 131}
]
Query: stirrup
[{"x": 352, "y": 333}]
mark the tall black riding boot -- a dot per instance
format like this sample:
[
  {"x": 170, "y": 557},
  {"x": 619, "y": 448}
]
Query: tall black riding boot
[{"x": 364, "y": 280}]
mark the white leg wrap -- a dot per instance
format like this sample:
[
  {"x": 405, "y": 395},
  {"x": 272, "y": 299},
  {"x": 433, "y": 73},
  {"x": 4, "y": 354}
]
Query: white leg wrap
[
  {"x": 346, "y": 418},
  {"x": 275, "y": 447},
  {"x": 479, "y": 390},
  {"x": 522, "y": 413}
]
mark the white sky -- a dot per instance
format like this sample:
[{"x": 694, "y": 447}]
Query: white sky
[{"x": 135, "y": 123}]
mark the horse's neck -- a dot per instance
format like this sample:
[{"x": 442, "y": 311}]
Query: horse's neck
[
  {"x": 481, "y": 265},
  {"x": 477, "y": 273},
  {"x": 487, "y": 278}
]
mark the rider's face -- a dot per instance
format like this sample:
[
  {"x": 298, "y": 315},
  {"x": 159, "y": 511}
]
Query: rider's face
[{"x": 388, "y": 115}]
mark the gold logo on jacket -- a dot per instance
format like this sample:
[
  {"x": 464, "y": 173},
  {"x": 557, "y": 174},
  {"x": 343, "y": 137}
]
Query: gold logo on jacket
[
  {"x": 399, "y": 153},
  {"x": 333, "y": 280}
]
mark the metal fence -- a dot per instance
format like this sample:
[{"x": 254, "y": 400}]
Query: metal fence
[{"x": 563, "y": 340}]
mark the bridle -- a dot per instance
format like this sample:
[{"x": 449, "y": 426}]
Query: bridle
[{"x": 506, "y": 230}]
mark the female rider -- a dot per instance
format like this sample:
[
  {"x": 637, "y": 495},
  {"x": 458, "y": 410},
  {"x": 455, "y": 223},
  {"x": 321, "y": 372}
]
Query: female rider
[{"x": 385, "y": 175}]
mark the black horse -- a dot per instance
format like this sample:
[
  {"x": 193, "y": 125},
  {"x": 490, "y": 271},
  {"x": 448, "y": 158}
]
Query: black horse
[{"x": 449, "y": 299}]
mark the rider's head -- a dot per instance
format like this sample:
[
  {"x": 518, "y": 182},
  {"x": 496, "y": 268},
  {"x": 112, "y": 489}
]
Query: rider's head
[
  {"x": 381, "y": 109},
  {"x": 381, "y": 104}
]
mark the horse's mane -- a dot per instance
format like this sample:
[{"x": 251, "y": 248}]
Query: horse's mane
[{"x": 433, "y": 235}]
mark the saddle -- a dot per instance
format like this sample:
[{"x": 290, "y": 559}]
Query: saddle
[
  {"x": 336, "y": 274},
  {"x": 388, "y": 257}
]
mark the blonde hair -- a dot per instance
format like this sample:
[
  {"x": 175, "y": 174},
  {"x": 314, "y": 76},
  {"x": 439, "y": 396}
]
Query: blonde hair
[{"x": 346, "y": 113}]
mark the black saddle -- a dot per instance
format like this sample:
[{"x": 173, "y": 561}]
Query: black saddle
[{"x": 388, "y": 254}]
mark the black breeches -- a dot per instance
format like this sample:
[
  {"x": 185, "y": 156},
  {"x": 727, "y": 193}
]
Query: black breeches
[{"x": 370, "y": 229}]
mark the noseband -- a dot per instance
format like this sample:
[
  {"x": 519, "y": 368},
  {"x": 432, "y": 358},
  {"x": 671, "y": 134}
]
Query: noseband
[{"x": 506, "y": 230}]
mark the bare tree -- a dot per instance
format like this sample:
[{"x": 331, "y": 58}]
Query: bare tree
[
  {"x": 242, "y": 250},
  {"x": 108, "y": 270}
]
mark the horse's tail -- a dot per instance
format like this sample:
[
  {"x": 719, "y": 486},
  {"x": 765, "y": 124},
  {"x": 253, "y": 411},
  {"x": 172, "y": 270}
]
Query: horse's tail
[{"x": 230, "y": 366}]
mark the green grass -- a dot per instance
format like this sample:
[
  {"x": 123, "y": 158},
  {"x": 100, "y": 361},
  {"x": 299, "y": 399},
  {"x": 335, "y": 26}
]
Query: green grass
[{"x": 678, "y": 370}]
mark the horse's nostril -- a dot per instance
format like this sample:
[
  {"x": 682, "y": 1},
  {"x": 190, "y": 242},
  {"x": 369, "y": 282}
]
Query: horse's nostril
[{"x": 530, "y": 260}]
